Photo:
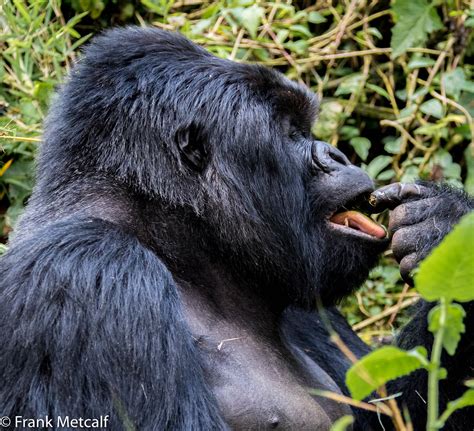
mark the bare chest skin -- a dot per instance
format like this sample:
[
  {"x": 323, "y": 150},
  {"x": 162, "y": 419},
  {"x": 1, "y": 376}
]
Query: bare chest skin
[{"x": 257, "y": 384}]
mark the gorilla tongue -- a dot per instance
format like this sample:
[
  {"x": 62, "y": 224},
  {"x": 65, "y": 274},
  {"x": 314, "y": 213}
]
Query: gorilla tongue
[{"x": 359, "y": 221}]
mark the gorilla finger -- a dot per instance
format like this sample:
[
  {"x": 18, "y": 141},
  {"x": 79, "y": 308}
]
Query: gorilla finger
[
  {"x": 394, "y": 194},
  {"x": 407, "y": 265},
  {"x": 410, "y": 213},
  {"x": 404, "y": 242}
]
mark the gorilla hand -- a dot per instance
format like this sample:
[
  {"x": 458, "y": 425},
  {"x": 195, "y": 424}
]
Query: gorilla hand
[{"x": 422, "y": 214}]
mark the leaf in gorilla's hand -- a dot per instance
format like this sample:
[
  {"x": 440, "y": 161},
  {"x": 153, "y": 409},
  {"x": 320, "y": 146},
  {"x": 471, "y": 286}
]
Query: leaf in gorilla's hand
[
  {"x": 416, "y": 19},
  {"x": 448, "y": 272},
  {"x": 380, "y": 366},
  {"x": 453, "y": 325}
]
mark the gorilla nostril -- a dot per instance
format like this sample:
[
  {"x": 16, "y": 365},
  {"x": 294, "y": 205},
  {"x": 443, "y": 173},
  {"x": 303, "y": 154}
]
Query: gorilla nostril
[
  {"x": 338, "y": 157},
  {"x": 326, "y": 158}
]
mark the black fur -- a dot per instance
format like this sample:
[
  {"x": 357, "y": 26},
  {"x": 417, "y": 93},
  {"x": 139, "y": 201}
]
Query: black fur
[
  {"x": 92, "y": 325},
  {"x": 164, "y": 167}
]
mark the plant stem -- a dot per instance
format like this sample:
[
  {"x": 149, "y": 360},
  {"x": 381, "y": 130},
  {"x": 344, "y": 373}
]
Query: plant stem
[{"x": 433, "y": 373}]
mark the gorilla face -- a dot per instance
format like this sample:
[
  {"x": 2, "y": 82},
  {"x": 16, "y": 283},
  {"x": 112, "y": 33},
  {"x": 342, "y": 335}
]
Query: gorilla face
[
  {"x": 292, "y": 204},
  {"x": 221, "y": 151}
]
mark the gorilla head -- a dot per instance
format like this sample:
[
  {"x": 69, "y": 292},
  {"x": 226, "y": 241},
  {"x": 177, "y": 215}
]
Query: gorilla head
[{"x": 207, "y": 160}]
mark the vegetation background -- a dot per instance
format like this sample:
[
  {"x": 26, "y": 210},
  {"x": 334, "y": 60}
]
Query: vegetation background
[{"x": 395, "y": 80}]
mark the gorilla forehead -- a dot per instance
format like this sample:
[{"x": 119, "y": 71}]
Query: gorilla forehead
[{"x": 185, "y": 78}]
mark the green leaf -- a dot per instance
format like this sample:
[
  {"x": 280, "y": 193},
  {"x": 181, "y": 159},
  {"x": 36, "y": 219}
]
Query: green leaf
[
  {"x": 448, "y": 272},
  {"x": 453, "y": 325},
  {"x": 432, "y": 107},
  {"x": 298, "y": 46},
  {"x": 316, "y": 18},
  {"x": 380, "y": 366},
  {"x": 416, "y": 19},
  {"x": 282, "y": 35},
  {"x": 392, "y": 144},
  {"x": 377, "y": 165},
  {"x": 250, "y": 18},
  {"x": 419, "y": 62},
  {"x": 407, "y": 112},
  {"x": 300, "y": 30},
  {"x": 350, "y": 84},
  {"x": 348, "y": 132},
  {"x": 330, "y": 115},
  {"x": 466, "y": 400},
  {"x": 410, "y": 175},
  {"x": 454, "y": 82},
  {"x": 342, "y": 423},
  {"x": 386, "y": 175},
  {"x": 378, "y": 90},
  {"x": 467, "y": 100},
  {"x": 361, "y": 146}
]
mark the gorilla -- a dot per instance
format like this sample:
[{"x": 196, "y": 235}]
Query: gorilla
[{"x": 183, "y": 235}]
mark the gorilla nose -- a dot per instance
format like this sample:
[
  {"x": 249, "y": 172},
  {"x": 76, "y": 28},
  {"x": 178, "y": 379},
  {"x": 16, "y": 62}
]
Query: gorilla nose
[{"x": 327, "y": 158}]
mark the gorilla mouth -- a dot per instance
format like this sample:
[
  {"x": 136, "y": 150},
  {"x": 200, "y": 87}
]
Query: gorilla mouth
[{"x": 351, "y": 220}]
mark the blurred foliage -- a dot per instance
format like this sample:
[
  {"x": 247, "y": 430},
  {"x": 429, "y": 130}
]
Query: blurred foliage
[{"x": 395, "y": 81}]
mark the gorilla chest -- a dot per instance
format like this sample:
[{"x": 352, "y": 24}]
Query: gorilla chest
[{"x": 256, "y": 388}]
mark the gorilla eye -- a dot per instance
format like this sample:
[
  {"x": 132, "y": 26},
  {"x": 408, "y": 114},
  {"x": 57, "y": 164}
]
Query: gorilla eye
[{"x": 295, "y": 134}]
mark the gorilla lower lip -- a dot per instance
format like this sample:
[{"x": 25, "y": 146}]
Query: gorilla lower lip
[{"x": 360, "y": 222}]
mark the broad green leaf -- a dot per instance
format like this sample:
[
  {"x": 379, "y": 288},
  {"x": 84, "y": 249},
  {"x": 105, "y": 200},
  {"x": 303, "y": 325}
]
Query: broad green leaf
[
  {"x": 361, "y": 146},
  {"x": 419, "y": 62},
  {"x": 316, "y": 18},
  {"x": 282, "y": 35},
  {"x": 386, "y": 175},
  {"x": 200, "y": 26},
  {"x": 410, "y": 174},
  {"x": 350, "y": 85},
  {"x": 298, "y": 46},
  {"x": 407, "y": 112},
  {"x": 392, "y": 145},
  {"x": 342, "y": 423},
  {"x": 250, "y": 18},
  {"x": 444, "y": 160},
  {"x": 448, "y": 272},
  {"x": 378, "y": 90},
  {"x": 380, "y": 366},
  {"x": 300, "y": 30},
  {"x": 416, "y": 19},
  {"x": 453, "y": 326},
  {"x": 348, "y": 132},
  {"x": 454, "y": 82},
  {"x": 432, "y": 107},
  {"x": 377, "y": 165}
]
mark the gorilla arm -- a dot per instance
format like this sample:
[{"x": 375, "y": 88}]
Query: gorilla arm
[{"x": 91, "y": 325}]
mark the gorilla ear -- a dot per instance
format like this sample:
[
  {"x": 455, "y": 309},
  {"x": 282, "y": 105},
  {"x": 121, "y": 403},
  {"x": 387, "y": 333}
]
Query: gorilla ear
[{"x": 192, "y": 149}]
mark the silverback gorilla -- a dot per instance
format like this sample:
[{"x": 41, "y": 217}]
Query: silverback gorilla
[{"x": 183, "y": 228}]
